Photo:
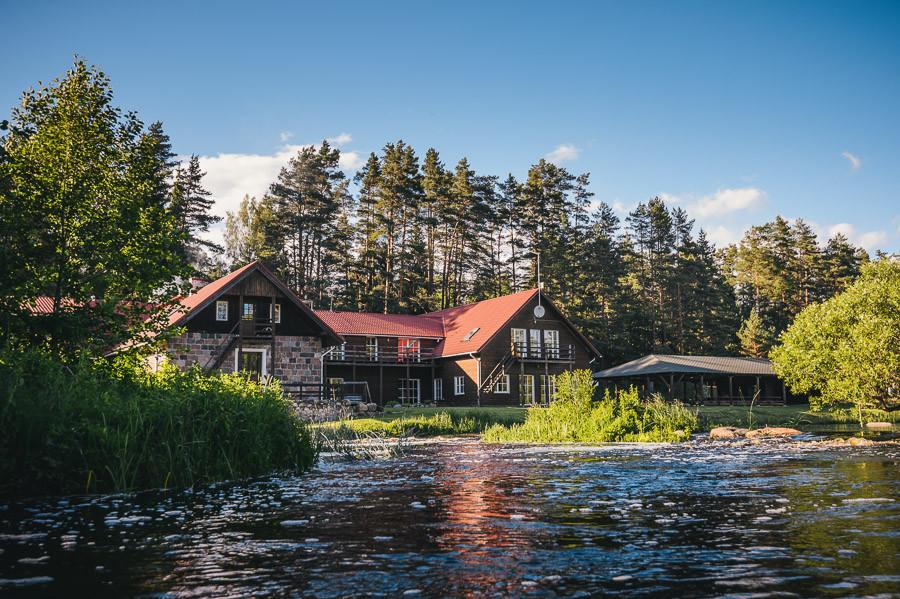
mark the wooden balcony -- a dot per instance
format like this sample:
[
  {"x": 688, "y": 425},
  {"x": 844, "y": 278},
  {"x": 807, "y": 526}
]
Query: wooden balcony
[
  {"x": 355, "y": 354},
  {"x": 543, "y": 353},
  {"x": 256, "y": 328}
]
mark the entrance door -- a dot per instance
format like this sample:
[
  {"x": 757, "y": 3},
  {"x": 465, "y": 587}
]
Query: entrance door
[{"x": 252, "y": 362}]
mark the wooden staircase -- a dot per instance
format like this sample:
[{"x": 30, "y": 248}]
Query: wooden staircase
[
  {"x": 498, "y": 372},
  {"x": 215, "y": 361}
]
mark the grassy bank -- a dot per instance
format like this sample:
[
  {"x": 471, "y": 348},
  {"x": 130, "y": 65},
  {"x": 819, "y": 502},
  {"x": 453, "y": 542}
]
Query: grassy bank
[
  {"x": 426, "y": 422},
  {"x": 101, "y": 427},
  {"x": 796, "y": 416},
  {"x": 574, "y": 417}
]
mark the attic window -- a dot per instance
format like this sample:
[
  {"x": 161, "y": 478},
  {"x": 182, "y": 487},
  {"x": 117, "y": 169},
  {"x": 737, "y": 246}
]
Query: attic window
[{"x": 471, "y": 334}]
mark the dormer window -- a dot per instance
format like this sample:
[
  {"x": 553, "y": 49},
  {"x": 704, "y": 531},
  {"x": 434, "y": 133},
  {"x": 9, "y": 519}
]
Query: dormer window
[{"x": 222, "y": 310}]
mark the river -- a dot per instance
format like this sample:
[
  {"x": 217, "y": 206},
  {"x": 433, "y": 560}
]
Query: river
[{"x": 456, "y": 517}]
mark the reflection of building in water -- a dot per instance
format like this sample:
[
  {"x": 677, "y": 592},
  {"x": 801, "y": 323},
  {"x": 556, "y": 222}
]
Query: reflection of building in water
[{"x": 476, "y": 524}]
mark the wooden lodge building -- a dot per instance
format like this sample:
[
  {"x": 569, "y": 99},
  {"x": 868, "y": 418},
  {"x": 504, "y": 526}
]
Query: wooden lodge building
[
  {"x": 708, "y": 380},
  {"x": 501, "y": 351}
]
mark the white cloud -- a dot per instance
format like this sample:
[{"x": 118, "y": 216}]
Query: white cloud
[
  {"x": 727, "y": 201},
  {"x": 854, "y": 161},
  {"x": 562, "y": 153},
  {"x": 870, "y": 240},
  {"x": 284, "y": 136},
  {"x": 340, "y": 140},
  {"x": 669, "y": 199},
  {"x": 229, "y": 177},
  {"x": 722, "y": 236}
]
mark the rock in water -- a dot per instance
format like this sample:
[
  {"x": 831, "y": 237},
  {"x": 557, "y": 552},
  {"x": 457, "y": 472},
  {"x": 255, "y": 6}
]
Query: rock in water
[
  {"x": 879, "y": 425},
  {"x": 858, "y": 441},
  {"x": 727, "y": 432},
  {"x": 773, "y": 431}
]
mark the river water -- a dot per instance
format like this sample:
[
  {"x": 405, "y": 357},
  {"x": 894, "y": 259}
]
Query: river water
[{"x": 459, "y": 518}]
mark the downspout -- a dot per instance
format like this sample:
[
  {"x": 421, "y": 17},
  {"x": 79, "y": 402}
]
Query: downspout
[{"x": 478, "y": 388}]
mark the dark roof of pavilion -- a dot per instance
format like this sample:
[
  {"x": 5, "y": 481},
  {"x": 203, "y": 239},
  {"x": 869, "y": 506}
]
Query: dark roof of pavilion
[{"x": 669, "y": 364}]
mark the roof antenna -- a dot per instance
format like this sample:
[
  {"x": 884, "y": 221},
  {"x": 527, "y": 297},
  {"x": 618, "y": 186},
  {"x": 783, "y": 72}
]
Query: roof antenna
[{"x": 539, "y": 309}]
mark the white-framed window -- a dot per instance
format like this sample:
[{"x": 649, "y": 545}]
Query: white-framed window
[
  {"x": 459, "y": 385},
  {"x": 548, "y": 387},
  {"x": 526, "y": 388},
  {"x": 340, "y": 352},
  {"x": 438, "y": 389},
  {"x": 410, "y": 349},
  {"x": 502, "y": 385},
  {"x": 551, "y": 343},
  {"x": 276, "y": 318},
  {"x": 251, "y": 360},
  {"x": 519, "y": 342},
  {"x": 247, "y": 312},
  {"x": 222, "y": 310},
  {"x": 534, "y": 343},
  {"x": 410, "y": 391},
  {"x": 372, "y": 348}
]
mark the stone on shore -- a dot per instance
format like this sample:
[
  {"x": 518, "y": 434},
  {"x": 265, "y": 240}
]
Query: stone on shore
[
  {"x": 727, "y": 432},
  {"x": 879, "y": 425},
  {"x": 773, "y": 431}
]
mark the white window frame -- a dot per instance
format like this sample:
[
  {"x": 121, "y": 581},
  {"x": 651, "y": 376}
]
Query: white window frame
[
  {"x": 221, "y": 304},
  {"x": 459, "y": 385},
  {"x": 438, "y": 390},
  {"x": 405, "y": 387},
  {"x": 252, "y": 314},
  {"x": 551, "y": 346},
  {"x": 548, "y": 387},
  {"x": 502, "y": 386},
  {"x": 526, "y": 383},
  {"x": 519, "y": 340},
  {"x": 534, "y": 343},
  {"x": 277, "y": 317},
  {"x": 262, "y": 350},
  {"x": 372, "y": 350},
  {"x": 409, "y": 348}
]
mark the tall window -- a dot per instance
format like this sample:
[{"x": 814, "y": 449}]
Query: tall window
[
  {"x": 276, "y": 318},
  {"x": 248, "y": 311},
  {"x": 408, "y": 349},
  {"x": 518, "y": 341},
  {"x": 340, "y": 352},
  {"x": 222, "y": 310},
  {"x": 548, "y": 388},
  {"x": 534, "y": 343},
  {"x": 551, "y": 343},
  {"x": 459, "y": 385},
  {"x": 410, "y": 391},
  {"x": 372, "y": 348},
  {"x": 438, "y": 389},
  {"x": 526, "y": 388},
  {"x": 502, "y": 385}
]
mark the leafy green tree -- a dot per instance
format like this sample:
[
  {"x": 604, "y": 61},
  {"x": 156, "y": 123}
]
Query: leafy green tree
[
  {"x": 82, "y": 209},
  {"x": 846, "y": 350}
]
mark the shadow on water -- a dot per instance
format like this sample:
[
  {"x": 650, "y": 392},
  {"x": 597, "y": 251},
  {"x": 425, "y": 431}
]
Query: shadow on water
[{"x": 458, "y": 518}]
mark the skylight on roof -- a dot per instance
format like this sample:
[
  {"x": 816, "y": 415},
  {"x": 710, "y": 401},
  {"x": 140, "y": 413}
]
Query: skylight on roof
[{"x": 471, "y": 334}]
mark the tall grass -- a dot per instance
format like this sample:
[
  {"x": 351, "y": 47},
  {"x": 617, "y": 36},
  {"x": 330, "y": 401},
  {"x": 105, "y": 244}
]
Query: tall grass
[
  {"x": 114, "y": 426},
  {"x": 456, "y": 422},
  {"x": 574, "y": 417}
]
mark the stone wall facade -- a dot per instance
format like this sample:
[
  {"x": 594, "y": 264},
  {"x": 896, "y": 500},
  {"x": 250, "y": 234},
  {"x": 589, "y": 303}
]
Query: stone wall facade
[{"x": 298, "y": 359}]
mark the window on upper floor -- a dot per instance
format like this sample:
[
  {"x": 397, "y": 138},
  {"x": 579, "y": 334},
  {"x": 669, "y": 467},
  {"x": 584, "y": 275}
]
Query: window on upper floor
[
  {"x": 410, "y": 349},
  {"x": 248, "y": 311},
  {"x": 222, "y": 310},
  {"x": 276, "y": 318}
]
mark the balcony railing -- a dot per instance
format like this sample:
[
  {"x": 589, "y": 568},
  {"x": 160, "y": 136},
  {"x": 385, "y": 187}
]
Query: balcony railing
[
  {"x": 362, "y": 354},
  {"x": 543, "y": 352},
  {"x": 256, "y": 327}
]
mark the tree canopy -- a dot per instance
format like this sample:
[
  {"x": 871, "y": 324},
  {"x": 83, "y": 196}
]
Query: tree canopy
[{"x": 846, "y": 350}]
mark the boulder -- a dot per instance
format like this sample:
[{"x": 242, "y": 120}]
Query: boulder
[
  {"x": 887, "y": 425},
  {"x": 859, "y": 441},
  {"x": 773, "y": 431},
  {"x": 361, "y": 408},
  {"x": 373, "y": 407},
  {"x": 724, "y": 432}
]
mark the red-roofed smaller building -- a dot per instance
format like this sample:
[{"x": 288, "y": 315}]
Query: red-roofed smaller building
[{"x": 501, "y": 351}]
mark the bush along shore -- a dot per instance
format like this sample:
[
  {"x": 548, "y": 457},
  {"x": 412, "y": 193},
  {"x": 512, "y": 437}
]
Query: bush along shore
[
  {"x": 574, "y": 417},
  {"x": 113, "y": 426}
]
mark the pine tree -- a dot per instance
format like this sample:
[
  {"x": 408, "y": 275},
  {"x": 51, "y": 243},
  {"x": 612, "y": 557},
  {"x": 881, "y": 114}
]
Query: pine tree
[
  {"x": 191, "y": 204},
  {"x": 755, "y": 336}
]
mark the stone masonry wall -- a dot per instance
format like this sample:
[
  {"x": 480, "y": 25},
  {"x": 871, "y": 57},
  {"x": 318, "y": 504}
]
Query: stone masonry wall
[{"x": 298, "y": 359}]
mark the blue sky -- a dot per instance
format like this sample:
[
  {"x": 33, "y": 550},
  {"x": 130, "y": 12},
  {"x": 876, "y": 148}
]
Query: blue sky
[{"x": 736, "y": 111}]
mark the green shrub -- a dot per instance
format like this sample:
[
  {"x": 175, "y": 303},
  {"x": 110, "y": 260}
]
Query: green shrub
[
  {"x": 573, "y": 417},
  {"x": 114, "y": 426},
  {"x": 456, "y": 422}
]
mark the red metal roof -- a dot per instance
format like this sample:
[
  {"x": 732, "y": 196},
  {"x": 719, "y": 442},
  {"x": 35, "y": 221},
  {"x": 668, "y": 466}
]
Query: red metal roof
[
  {"x": 488, "y": 316},
  {"x": 373, "y": 323},
  {"x": 451, "y": 325}
]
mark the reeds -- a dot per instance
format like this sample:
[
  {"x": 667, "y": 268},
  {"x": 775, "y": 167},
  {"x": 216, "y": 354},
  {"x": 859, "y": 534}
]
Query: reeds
[{"x": 114, "y": 426}]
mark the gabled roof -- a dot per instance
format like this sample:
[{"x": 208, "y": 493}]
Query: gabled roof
[
  {"x": 461, "y": 330},
  {"x": 671, "y": 364},
  {"x": 373, "y": 323},
  {"x": 488, "y": 316},
  {"x": 194, "y": 303}
]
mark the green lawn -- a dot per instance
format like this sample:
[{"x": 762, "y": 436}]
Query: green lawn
[{"x": 498, "y": 414}]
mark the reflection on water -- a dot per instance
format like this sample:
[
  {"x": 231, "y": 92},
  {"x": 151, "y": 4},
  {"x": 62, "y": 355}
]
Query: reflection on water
[{"x": 458, "y": 518}]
